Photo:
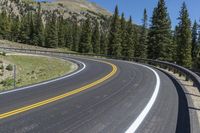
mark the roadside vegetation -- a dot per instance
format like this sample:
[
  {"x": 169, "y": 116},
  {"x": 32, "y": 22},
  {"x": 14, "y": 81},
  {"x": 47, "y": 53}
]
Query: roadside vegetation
[{"x": 30, "y": 69}]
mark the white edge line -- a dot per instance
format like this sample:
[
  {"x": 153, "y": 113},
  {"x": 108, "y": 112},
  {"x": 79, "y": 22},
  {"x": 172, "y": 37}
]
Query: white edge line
[
  {"x": 134, "y": 126},
  {"x": 50, "y": 81}
]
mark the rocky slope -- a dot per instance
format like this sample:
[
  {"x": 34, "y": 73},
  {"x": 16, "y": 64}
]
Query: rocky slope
[{"x": 69, "y": 8}]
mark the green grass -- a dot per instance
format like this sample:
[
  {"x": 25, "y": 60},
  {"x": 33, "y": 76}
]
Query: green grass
[{"x": 34, "y": 69}]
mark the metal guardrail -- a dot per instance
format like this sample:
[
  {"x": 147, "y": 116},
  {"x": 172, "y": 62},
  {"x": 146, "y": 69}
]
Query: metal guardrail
[{"x": 163, "y": 64}]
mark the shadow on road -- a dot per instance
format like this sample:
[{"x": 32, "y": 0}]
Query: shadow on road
[{"x": 183, "y": 121}]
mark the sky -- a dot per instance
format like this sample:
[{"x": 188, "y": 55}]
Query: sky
[{"x": 135, "y": 8}]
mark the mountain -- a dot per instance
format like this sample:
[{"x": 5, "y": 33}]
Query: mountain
[
  {"x": 80, "y": 9},
  {"x": 82, "y": 5}
]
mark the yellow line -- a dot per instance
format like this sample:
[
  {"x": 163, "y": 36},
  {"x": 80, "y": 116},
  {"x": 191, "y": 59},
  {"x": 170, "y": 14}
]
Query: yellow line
[{"x": 42, "y": 103}]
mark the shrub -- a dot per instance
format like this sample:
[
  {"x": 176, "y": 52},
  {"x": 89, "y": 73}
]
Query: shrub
[
  {"x": 1, "y": 73},
  {"x": 4, "y": 53},
  {"x": 9, "y": 67},
  {"x": 1, "y": 67},
  {"x": 7, "y": 82}
]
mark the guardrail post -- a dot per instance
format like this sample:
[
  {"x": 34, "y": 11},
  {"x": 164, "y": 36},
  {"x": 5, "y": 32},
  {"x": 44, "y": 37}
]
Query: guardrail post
[
  {"x": 174, "y": 70},
  {"x": 179, "y": 73},
  {"x": 186, "y": 78}
]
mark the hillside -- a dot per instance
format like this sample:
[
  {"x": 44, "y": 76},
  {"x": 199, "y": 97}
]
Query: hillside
[{"x": 68, "y": 8}]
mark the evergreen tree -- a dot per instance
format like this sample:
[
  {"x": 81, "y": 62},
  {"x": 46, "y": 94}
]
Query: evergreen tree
[
  {"x": 76, "y": 36},
  {"x": 15, "y": 28},
  {"x": 175, "y": 41},
  {"x": 24, "y": 29},
  {"x": 52, "y": 31},
  {"x": 142, "y": 45},
  {"x": 61, "y": 32},
  {"x": 69, "y": 37},
  {"x": 114, "y": 46},
  {"x": 96, "y": 38},
  {"x": 160, "y": 38},
  {"x": 103, "y": 43},
  {"x": 123, "y": 35},
  {"x": 85, "y": 45},
  {"x": 130, "y": 40},
  {"x": 5, "y": 26},
  {"x": 32, "y": 34},
  {"x": 184, "y": 38},
  {"x": 39, "y": 27},
  {"x": 194, "y": 40}
]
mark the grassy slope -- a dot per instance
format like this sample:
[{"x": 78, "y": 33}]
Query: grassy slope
[
  {"x": 10, "y": 44},
  {"x": 34, "y": 69}
]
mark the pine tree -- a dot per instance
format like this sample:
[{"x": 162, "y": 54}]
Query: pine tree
[
  {"x": 61, "y": 31},
  {"x": 160, "y": 38},
  {"x": 5, "y": 26},
  {"x": 114, "y": 46},
  {"x": 15, "y": 28},
  {"x": 175, "y": 41},
  {"x": 85, "y": 45},
  {"x": 52, "y": 31},
  {"x": 194, "y": 40},
  {"x": 142, "y": 45},
  {"x": 103, "y": 43},
  {"x": 24, "y": 29},
  {"x": 69, "y": 37},
  {"x": 130, "y": 39},
  {"x": 123, "y": 35},
  {"x": 32, "y": 34},
  {"x": 96, "y": 38},
  {"x": 184, "y": 40},
  {"x": 76, "y": 36},
  {"x": 39, "y": 27}
]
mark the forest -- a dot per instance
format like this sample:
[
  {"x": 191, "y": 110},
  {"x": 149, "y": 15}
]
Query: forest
[{"x": 114, "y": 36}]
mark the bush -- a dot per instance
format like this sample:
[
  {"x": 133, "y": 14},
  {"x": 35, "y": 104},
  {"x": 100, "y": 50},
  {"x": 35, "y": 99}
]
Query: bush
[
  {"x": 1, "y": 67},
  {"x": 7, "y": 82},
  {"x": 3, "y": 53},
  {"x": 9, "y": 67}
]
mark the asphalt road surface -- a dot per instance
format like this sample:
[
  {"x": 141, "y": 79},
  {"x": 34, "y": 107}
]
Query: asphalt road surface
[{"x": 104, "y": 97}]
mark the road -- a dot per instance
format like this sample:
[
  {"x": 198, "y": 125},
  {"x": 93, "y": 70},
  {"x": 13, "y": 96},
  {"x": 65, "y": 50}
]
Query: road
[{"x": 98, "y": 99}]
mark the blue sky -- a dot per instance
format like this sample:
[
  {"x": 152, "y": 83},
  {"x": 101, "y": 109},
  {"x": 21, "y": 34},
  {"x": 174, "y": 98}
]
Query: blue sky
[{"x": 135, "y": 8}]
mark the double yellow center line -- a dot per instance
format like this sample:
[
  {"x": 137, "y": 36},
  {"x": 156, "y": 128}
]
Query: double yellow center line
[{"x": 51, "y": 100}]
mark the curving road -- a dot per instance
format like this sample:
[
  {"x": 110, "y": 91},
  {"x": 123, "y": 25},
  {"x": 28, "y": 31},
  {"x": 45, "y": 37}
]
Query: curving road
[{"x": 104, "y": 97}]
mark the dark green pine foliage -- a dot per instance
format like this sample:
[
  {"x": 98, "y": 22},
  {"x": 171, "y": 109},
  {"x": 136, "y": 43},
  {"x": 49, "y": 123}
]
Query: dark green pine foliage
[
  {"x": 124, "y": 36},
  {"x": 69, "y": 37},
  {"x": 160, "y": 38},
  {"x": 85, "y": 45},
  {"x": 184, "y": 40},
  {"x": 76, "y": 36},
  {"x": 103, "y": 43},
  {"x": 130, "y": 39},
  {"x": 52, "y": 31},
  {"x": 96, "y": 38},
  {"x": 142, "y": 45},
  {"x": 5, "y": 26},
  {"x": 25, "y": 29},
  {"x": 175, "y": 37},
  {"x": 15, "y": 28},
  {"x": 32, "y": 34},
  {"x": 114, "y": 45},
  {"x": 39, "y": 30},
  {"x": 61, "y": 31},
  {"x": 194, "y": 40}
]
